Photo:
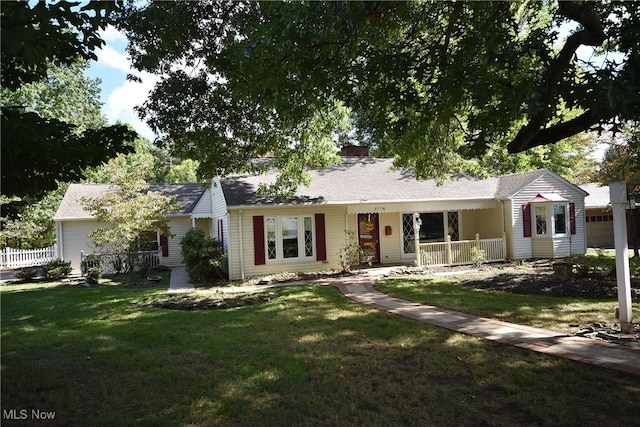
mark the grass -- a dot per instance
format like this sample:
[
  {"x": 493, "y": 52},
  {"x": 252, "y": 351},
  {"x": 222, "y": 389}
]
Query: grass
[
  {"x": 558, "y": 314},
  {"x": 307, "y": 357}
]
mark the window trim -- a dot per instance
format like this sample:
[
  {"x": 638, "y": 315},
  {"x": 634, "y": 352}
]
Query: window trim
[
  {"x": 279, "y": 246},
  {"x": 550, "y": 219}
]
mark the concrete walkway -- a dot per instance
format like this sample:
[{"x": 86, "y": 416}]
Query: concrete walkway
[
  {"x": 179, "y": 281},
  {"x": 359, "y": 288}
]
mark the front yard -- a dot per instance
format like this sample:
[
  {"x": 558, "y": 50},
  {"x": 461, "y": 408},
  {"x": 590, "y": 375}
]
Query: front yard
[{"x": 303, "y": 356}]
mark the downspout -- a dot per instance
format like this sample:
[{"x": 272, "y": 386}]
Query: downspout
[{"x": 240, "y": 247}]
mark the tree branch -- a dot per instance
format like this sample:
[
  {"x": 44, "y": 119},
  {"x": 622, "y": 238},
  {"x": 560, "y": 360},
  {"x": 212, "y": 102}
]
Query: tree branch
[
  {"x": 591, "y": 35},
  {"x": 560, "y": 131}
]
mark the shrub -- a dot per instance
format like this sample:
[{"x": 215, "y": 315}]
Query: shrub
[
  {"x": 57, "y": 269},
  {"x": 93, "y": 275},
  {"x": 27, "y": 274},
  {"x": 203, "y": 256},
  {"x": 350, "y": 253},
  {"x": 478, "y": 256}
]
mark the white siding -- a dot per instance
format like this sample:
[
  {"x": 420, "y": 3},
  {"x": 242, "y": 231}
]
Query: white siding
[
  {"x": 523, "y": 247},
  {"x": 219, "y": 212},
  {"x": 203, "y": 207},
  {"x": 74, "y": 238}
]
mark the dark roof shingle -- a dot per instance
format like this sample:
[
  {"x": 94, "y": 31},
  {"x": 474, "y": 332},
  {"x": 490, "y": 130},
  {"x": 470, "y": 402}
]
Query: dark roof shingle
[{"x": 187, "y": 196}]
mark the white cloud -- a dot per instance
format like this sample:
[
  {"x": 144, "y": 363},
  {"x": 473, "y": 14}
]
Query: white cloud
[
  {"x": 109, "y": 57},
  {"x": 114, "y": 64},
  {"x": 111, "y": 34},
  {"x": 122, "y": 101}
]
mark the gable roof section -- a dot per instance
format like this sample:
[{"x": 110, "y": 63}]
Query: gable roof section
[
  {"x": 187, "y": 196},
  {"x": 357, "y": 180},
  {"x": 511, "y": 185},
  {"x": 598, "y": 197}
]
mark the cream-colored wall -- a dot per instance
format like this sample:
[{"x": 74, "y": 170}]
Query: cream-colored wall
[
  {"x": 391, "y": 245},
  {"x": 486, "y": 222},
  {"x": 243, "y": 252},
  {"x": 178, "y": 227},
  {"x": 205, "y": 225}
]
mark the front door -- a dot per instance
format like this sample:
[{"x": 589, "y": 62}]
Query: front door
[{"x": 368, "y": 237}]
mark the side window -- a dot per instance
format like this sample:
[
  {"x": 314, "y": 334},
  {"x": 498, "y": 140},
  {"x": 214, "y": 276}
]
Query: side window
[
  {"x": 560, "y": 219},
  {"x": 540, "y": 213},
  {"x": 272, "y": 252}
]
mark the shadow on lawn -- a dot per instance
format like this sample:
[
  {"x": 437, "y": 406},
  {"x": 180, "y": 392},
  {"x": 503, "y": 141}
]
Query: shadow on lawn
[{"x": 308, "y": 356}]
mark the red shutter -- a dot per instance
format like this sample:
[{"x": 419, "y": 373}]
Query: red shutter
[
  {"x": 164, "y": 244},
  {"x": 526, "y": 220},
  {"x": 572, "y": 217},
  {"x": 321, "y": 242},
  {"x": 258, "y": 240}
]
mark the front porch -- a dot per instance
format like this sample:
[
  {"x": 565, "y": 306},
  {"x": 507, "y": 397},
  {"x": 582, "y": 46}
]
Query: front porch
[{"x": 462, "y": 252}]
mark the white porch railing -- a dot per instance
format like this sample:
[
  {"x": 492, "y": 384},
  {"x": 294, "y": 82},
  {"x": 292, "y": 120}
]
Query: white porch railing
[
  {"x": 462, "y": 252},
  {"x": 116, "y": 263},
  {"x": 16, "y": 258}
]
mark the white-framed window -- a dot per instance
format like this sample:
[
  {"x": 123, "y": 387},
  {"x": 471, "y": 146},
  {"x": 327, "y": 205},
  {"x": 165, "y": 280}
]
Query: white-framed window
[
  {"x": 289, "y": 238},
  {"x": 560, "y": 219},
  {"x": 551, "y": 219},
  {"x": 540, "y": 220}
]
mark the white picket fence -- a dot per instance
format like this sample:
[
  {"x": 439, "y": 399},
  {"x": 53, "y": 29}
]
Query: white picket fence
[{"x": 16, "y": 258}]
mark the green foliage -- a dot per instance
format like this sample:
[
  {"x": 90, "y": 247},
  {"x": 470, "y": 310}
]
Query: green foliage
[
  {"x": 27, "y": 274},
  {"x": 203, "y": 256},
  {"x": 478, "y": 256},
  {"x": 128, "y": 210},
  {"x": 56, "y": 269},
  {"x": 93, "y": 274},
  {"x": 156, "y": 163},
  {"x": 444, "y": 87},
  {"x": 50, "y": 123},
  {"x": 350, "y": 253},
  {"x": 27, "y": 223}
]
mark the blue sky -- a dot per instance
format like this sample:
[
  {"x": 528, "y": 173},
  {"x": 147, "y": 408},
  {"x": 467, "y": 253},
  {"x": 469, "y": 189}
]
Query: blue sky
[{"x": 119, "y": 96}]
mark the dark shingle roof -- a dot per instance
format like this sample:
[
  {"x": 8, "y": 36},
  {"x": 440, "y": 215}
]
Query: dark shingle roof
[
  {"x": 187, "y": 196},
  {"x": 362, "y": 179}
]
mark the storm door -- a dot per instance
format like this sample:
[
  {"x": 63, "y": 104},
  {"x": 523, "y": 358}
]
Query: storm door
[{"x": 368, "y": 237}]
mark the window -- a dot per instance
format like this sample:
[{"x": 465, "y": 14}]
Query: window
[
  {"x": 540, "y": 213},
  {"x": 148, "y": 241},
  {"x": 272, "y": 252},
  {"x": 432, "y": 228},
  {"x": 560, "y": 219},
  {"x": 289, "y": 238}
]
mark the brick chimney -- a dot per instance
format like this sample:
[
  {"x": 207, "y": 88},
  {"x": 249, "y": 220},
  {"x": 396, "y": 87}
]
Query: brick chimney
[{"x": 354, "y": 151}]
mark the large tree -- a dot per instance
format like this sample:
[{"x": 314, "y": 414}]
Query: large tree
[
  {"x": 435, "y": 83},
  {"x": 40, "y": 149}
]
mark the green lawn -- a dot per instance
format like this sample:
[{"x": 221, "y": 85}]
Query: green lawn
[{"x": 309, "y": 356}]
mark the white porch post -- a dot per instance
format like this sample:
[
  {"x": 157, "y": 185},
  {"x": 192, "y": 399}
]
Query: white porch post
[
  {"x": 618, "y": 195},
  {"x": 417, "y": 222}
]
